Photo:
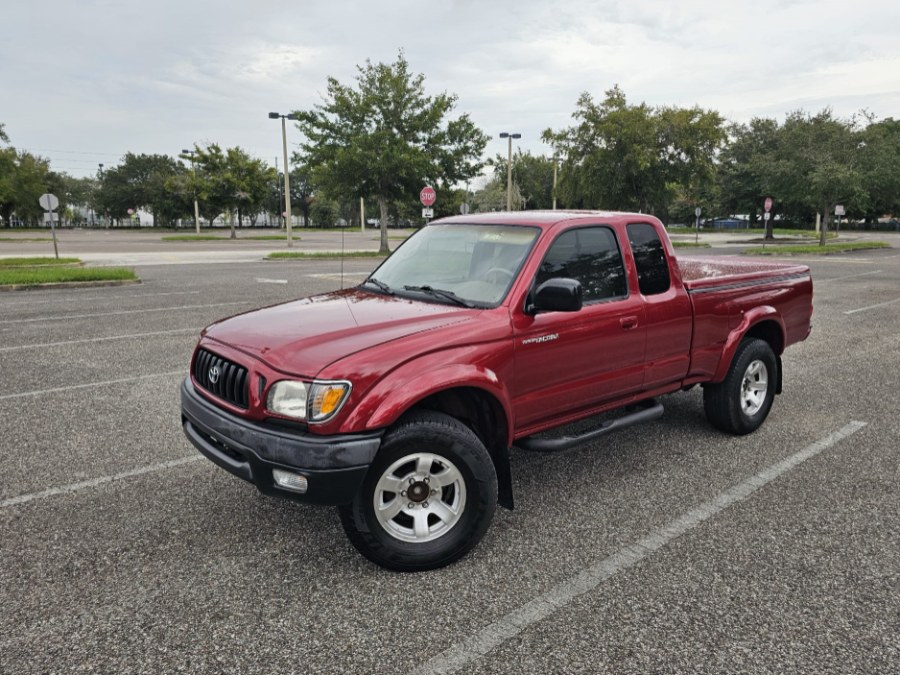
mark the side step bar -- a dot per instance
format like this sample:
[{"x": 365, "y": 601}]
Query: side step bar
[{"x": 647, "y": 411}]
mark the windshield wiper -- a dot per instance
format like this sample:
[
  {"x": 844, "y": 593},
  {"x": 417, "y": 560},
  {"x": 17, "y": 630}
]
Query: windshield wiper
[
  {"x": 441, "y": 293},
  {"x": 383, "y": 287}
]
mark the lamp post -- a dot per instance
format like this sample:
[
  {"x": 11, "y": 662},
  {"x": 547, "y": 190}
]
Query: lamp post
[
  {"x": 287, "y": 181},
  {"x": 509, "y": 168},
  {"x": 100, "y": 175},
  {"x": 190, "y": 153}
]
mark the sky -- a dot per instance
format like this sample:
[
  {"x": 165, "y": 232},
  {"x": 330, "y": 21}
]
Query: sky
[{"x": 84, "y": 81}]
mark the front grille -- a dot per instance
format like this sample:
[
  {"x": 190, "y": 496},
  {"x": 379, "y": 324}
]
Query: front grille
[{"x": 230, "y": 378}]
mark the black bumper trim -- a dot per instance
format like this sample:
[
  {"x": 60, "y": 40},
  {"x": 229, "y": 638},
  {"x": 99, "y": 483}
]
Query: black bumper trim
[{"x": 334, "y": 465}]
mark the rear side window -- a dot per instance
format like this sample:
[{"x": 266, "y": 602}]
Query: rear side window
[
  {"x": 591, "y": 255},
  {"x": 650, "y": 258}
]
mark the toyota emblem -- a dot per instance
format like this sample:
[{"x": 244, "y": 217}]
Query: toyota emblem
[{"x": 214, "y": 374}]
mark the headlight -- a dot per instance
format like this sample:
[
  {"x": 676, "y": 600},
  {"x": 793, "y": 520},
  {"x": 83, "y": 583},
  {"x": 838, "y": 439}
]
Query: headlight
[
  {"x": 315, "y": 402},
  {"x": 288, "y": 398}
]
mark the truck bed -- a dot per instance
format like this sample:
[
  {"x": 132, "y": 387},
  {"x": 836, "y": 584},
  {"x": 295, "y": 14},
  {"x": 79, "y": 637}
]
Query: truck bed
[{"x": 699, "y": 272}]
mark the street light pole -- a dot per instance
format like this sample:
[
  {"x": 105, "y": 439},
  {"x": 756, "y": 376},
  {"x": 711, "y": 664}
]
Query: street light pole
[
  {"x": 100, "y": 175},
  {"x": 554, "y": 181},
  {"x": 190, "y": 153},
  {"x": 509, "y": 168},
  {"x": 287, "y": 180}
]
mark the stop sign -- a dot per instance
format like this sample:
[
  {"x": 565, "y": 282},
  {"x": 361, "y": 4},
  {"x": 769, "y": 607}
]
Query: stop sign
[
  {"x": 427, "y": 195},
  {"x": 768, "y": 204}
]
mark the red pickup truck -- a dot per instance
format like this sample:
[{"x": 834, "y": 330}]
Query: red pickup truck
[{"x": 398, "y": 400}]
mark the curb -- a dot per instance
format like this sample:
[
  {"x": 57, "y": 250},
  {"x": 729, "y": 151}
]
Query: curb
[{"x": 68, "y": 284}]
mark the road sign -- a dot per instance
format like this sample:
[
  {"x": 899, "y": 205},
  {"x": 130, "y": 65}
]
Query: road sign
[
  {"x": 427, "y": 195},
  {"x": 839, "y": 210},
  {"x": 768, "y": 204},
  {"x": 464, "y": 208},
  {"x": 698, "y": 211},
  {"x": 49, "y": 202},
  {"x": 427, "y": 212}
]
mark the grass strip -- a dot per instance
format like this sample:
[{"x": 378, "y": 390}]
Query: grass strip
[
  {"x": 815, "y": 249},
  {"x": 279, "y": 255},
  {"x": 32, "y": 276},
  {"x": 24, "y": 240},
  {"x": 192, "y": 237},
  {"x": 690, "y": 244},
  {"x": 32, "y": 262}
]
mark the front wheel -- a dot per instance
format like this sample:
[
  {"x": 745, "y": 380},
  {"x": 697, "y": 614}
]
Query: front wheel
[
  {"x": 428, "y": 497},
  {"x": 741, "y": 402}
]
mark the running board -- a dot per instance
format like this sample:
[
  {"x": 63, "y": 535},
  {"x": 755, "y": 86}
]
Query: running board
[{"x": 648, "y": 411}]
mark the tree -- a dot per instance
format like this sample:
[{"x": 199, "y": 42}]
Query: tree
[
  {"x": 23, "y": 179},
  {"x": 145, "y": 181},
  {"x": 819, "y": 162},
  {"x": 385, "y": 138},
  {"x": 492, "y": 197},
  {"x": 634, "y": 157},
  {"x": 744, "y": 176},
  {"x": 532, "y": 177},
  {"x": 879, "y": 160},
  {"x": 229, "y": 181}
]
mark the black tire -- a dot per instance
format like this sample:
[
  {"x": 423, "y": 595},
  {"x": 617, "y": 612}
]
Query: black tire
[
  {"x": 738, "y": 405},
  {"x": 465, "y": 496}
]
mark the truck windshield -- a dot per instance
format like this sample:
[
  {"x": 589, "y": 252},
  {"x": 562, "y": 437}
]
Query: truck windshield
[{"x": 472, "y": 265}]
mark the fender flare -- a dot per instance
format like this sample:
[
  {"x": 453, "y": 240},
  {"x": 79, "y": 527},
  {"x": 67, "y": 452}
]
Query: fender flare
[
  {"x": 751, "y": 318},
  {"x": 399, "y": 391}
]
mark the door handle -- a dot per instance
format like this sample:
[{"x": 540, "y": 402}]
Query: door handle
[{"x": 628, "y": 322}]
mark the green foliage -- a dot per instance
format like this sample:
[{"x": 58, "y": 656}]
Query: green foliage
[
  {"x": 144, "y": 182},
  {"x": 634, "y": 157},
  {"x": 229, "y": 181},
  {"x": 532, "y": 177},
  {"x": 385, "y": 138},
  {"x": 492, "y": 197}
]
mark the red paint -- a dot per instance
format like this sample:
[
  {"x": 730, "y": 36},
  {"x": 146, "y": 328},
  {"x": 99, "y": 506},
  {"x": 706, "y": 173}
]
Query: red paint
[
  {"x": 427, "y": 195},
  {"x": 396, "y": 351}
]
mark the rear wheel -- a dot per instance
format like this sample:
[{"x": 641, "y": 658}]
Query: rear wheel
[
  {"x": 428, "y": 498},
  {"x": 741, "y": 402}
]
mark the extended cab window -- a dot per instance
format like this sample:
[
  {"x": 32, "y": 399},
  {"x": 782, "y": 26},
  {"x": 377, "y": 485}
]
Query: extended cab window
[
  {"x": 591, "y": 255},
  {"x": 650, "y": 258}
]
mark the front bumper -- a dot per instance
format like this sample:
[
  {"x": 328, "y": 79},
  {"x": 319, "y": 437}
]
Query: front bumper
[{"x": 334, "y": 466}]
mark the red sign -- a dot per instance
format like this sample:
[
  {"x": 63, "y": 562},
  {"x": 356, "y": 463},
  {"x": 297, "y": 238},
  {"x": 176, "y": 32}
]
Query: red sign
[
  {"x": 427, "y": 195},
  {"x": 768, "y": 204}
]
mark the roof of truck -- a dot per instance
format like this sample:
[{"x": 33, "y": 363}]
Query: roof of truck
[{"x": 542, "y": 218}]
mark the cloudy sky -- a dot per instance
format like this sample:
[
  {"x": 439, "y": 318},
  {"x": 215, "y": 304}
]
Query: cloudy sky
[{"x": 84, "y": 81}]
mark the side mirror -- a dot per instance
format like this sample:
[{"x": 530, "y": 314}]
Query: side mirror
[{"x": 557, "y": 295}]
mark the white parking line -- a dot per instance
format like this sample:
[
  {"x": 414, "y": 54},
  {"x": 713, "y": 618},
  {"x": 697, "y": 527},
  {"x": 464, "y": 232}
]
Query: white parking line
[
  {"x": 270, "y": 281},
  {"x": 94, "y": 482},
  {"x": 541, "y": 607},
  {"x": 65, "y": 317},
  {"x": 82, "y": 295},
  {"x": 88, "y": 385},
  {"x": 880, "y": 304},
  {"x": 101, "y": 339},
  {"x": 849, "y": 276}
]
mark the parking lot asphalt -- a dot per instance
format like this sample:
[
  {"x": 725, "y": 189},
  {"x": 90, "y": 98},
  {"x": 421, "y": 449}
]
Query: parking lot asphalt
[{"x": 668, "y": 547}]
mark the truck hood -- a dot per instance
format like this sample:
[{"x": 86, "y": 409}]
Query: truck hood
[{"x": 304, "y": 336}]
